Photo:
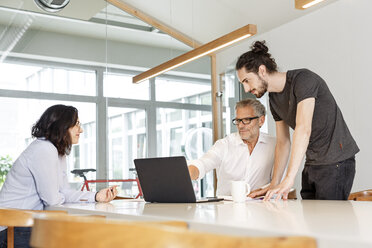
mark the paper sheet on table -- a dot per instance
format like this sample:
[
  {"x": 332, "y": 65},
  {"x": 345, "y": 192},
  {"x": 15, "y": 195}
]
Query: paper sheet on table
[
  {"x": 128, "y": 199},
  {"x": 229, "y": 198},
  {"x": 260, "y": 198}
]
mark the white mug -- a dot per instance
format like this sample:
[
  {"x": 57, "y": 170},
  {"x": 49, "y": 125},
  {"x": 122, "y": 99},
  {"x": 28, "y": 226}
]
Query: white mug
[{"x": 239, "y": 190}]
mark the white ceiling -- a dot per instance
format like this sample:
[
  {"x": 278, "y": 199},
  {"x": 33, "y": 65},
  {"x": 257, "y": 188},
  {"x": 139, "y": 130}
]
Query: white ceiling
[
  {"x": 78, "y": 9},
  {"x": 203, "y": 20},
  {"x": 206, "y": 20},
  {"x": 121, "y": 26}
]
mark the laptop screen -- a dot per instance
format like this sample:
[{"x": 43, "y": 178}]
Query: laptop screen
[{"x": 165, "y": 180}]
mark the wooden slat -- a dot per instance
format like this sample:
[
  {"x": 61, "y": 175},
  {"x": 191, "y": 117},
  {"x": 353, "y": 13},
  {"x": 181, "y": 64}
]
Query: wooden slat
[
  {"x": 215, "y": 108},
  {"x": 300, "y": 3},
  {"x": 15, "y": 217},
  {"x": 155, "y": 23},
  {"x": 365, "y": 195},
  {"x": 10, "y": 236},
  {"x": 173, "y": 63},
  {"x": 364, "y": 198},
  {"x": 215, "y": 112},
  {"x": 55, "y": 233}
]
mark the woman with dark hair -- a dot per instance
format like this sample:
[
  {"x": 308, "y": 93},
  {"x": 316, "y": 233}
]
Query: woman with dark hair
[
  {"x": 38, "y": 178},
  {"x": 300, "y": 99}
]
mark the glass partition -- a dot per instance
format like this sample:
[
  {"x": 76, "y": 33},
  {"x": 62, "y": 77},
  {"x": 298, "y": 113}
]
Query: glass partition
[
  {"x": 183, "y": 91},
  {"x": 19, "y": 115},
  {"x": 47, "y": 79},
  {"x": 121, "y": 86},
  {"x": 87, "y": 58},
  {"x": 186, "y": 133},
  {"x": 127, "y": 140}
]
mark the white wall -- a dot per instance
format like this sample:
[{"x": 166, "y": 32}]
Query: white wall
[{"x": 336, "y": 43}]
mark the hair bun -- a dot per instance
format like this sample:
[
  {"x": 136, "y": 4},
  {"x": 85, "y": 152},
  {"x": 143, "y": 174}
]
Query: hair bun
[{"x": 259, "y": 47}]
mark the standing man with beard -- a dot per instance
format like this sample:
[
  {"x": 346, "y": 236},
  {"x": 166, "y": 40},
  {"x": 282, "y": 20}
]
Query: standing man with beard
[
  {"x": 300, "y": 99},
  {"x": 244, "y": 156}
]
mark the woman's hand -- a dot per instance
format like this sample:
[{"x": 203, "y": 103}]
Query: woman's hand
[{"x": 107, "y": 194}]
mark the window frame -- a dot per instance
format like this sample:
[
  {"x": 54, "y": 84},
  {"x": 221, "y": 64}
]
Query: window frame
[{"x": 103, "y": 103}]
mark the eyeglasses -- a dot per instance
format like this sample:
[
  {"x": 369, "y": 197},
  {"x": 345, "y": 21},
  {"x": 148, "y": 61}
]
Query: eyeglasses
[{"x": 245, "y": 121}]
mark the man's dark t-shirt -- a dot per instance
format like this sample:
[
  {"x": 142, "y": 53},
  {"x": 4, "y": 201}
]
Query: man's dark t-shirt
[{"x": 330, "y": 139}]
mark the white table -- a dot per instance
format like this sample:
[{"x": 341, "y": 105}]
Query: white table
[{"x": 332, "y": 223}]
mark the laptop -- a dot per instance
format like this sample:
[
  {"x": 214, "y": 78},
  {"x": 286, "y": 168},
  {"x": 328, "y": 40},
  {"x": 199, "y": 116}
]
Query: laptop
[{"x": 167, "y": 180}]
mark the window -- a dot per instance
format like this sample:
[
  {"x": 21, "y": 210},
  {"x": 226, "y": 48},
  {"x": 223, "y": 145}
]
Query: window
[
  {"x": 127, "y": 140},
  {"x": 121, "y": 86},
  {"x": 47, "y": 79},
  {"x": 182, "y": 91},
  {"x": 187, "y": 137},
  {"x": 19, "y": 116},
  {"x": 171, "y": 133},
  {"x": 41, "y": 66},
  {"x": 127, "y": 126}
]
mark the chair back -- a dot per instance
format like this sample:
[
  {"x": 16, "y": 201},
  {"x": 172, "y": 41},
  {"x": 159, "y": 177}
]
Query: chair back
[
  {"x": 365, "y": 195},
  {"x": 91, "y": 232},
  {"x": 15, "y": 217},
  {"x": 12, "y": 218}
]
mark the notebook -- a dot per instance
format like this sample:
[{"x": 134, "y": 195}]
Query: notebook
[{"x": 167, "y": 180}]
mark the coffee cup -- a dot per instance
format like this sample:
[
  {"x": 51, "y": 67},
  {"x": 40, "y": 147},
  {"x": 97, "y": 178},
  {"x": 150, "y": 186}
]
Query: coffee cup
[{"x": 239, "y": 190}]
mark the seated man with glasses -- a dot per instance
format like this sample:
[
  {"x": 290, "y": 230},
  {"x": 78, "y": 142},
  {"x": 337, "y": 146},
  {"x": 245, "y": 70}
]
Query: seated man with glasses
[{"x": 246, "y": 155}]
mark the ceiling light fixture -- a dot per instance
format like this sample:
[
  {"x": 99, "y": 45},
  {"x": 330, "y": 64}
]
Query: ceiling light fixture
[
  {"x": 224, "y": 41},
  {"x": 304, "y": 4},
  {"x": 51, "y": 5}
]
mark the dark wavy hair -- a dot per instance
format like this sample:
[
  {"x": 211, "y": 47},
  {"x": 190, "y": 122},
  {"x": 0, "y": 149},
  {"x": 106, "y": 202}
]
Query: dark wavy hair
[
  {"x": 53, "y": 125},
  {"x": 258, "y": 55}
]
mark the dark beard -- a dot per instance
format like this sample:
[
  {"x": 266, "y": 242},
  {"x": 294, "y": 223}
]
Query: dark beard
[{"x": 262, "y": 89}]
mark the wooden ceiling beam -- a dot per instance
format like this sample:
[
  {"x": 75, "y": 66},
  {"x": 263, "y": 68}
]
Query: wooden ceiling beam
[
  {"x": 304, "y": 4},
  {"x": 206, "y": 49}
]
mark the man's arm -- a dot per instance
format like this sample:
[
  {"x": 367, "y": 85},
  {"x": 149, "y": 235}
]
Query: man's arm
[
  {"x": 301, "y": 136},
  {"x": 282, "y": 148},
  {"x": 209, "y": 161}
]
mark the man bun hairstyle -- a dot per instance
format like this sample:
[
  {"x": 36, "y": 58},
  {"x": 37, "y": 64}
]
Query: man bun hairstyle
[{"x": 258, "y": 55}]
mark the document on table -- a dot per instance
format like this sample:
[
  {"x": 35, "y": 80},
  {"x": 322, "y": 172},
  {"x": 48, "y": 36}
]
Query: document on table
[
  {"x": 229, "y": 198},
  {"x": 259, "y": 198}
]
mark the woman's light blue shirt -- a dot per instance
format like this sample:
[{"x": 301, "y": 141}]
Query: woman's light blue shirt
[{"x": 38, "y": 178}]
